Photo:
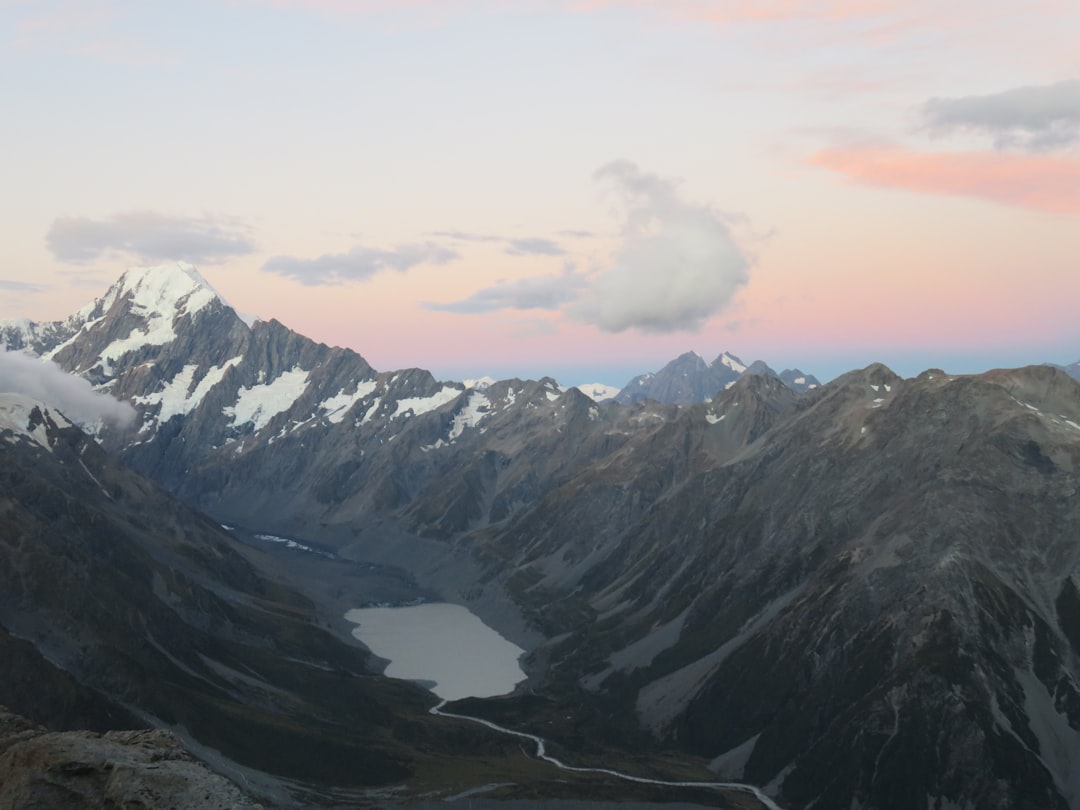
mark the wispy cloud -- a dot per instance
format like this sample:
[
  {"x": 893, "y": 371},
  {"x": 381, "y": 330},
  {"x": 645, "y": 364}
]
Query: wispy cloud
[
  {"x": 536, "y": 292},
  {"x": 147, "y": 235},
  {"x": 534, "y": 247},
  {"x": 677, "y": 265},
  {"x": 359, "y": 263},
  {"x": 1035, "y": 118},
  {"x": 21, "y": 286},
  {"x": 1038, "y": 182},
  {"x": 513, "y": 246},
  {"x": 466, "y": 236},
  {"x": 73, "y": 396}
]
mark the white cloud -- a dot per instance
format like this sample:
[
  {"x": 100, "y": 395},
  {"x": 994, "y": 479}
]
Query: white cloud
[
  {"x": 73, "y": 396},
  {"x": 148, "y": 236},
  {"x": 1036, "y": 118},
  {"x": 678, "y": 263}
]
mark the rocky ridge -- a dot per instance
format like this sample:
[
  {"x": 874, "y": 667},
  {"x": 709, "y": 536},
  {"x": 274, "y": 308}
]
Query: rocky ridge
[{"x": 689, "y": 379}]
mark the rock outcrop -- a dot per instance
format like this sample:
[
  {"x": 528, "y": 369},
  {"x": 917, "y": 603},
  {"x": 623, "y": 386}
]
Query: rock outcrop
[{"x": 84, "y": 770}]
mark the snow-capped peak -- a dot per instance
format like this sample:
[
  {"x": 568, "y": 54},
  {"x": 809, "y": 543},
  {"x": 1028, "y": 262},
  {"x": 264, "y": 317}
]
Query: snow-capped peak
[
  {"x": 28, "y": 418},
  {"x": 598, "y": 392},
  {"x": 166, "y": 288},
  {"x": 732, "y": 362},
  {"x": 479, "y": 384}
]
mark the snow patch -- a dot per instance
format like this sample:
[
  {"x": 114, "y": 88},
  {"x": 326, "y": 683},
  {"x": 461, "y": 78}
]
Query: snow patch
[
  {"x": 732, "y": 362},
  {"x": 477, "y": 406},
  {"x": 176, "y": 396},
  {"x": 337, "y": 406},
  {"x": 261, "y": 403},
  {"x": 16, "y": 415},
  {"x": 419, "y": 405}
]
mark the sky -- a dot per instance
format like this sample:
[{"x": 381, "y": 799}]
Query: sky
[{"x": 577, "y": 188}]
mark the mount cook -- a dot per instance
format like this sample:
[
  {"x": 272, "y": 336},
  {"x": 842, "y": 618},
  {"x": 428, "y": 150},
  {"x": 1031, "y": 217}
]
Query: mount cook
[{"x": 860, "y": 594}]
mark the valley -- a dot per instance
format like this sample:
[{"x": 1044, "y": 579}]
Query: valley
[{"x": 860, "y": 593}]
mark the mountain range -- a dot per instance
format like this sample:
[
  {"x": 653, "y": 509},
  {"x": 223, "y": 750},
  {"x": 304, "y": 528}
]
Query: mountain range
[
  {"x": 688, "y": 378},
  {"x": 864, "y": 593}
]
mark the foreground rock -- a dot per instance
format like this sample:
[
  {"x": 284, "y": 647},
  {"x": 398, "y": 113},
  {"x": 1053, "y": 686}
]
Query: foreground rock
[{"x": 82, "y": 769}]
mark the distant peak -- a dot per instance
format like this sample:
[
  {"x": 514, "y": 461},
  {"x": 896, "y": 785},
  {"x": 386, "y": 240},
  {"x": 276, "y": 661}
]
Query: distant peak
[{"x": 730, "y": 361}]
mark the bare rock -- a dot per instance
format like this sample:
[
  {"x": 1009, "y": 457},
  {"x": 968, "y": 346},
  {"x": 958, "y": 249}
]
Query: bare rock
[{"x": 131, "y": 770}]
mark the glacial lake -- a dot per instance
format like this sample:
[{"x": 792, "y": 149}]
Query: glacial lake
[{"x": 441, "y": 643}]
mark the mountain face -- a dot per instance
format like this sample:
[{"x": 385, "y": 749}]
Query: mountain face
[
  {"x": 689, "y": 379},
  {"x": 121, "y": 608},
  {"x": 1073, "y": 370},
  {"x": 865, "y": 594},
  {"x": 863, "y": 597}
]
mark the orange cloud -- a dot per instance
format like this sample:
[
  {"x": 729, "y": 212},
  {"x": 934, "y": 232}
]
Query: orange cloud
[{"x": 1039, "y": 182}]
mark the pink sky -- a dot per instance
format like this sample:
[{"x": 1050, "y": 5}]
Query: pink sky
[{"x": 582, "y": 188}]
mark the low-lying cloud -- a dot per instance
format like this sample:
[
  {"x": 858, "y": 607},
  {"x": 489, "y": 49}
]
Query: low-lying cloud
[
  {"x": 677, "y": 265},
  {"x": 1034, "y": 118},
  {"x": 73, "y": 396},
  {"x": 149, "y": 236},
  {"x": 358, "y": 264}
]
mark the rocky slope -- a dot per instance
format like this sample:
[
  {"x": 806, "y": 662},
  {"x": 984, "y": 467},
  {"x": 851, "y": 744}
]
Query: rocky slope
[
  {"x": 82, "y": 770},
  {"x": 122, "y": 608},
  {"x": 689, "y": 379},
  {"x": 864, "y": 597}
]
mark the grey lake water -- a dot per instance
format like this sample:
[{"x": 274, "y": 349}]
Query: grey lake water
[{"x": 440, "y": 643}]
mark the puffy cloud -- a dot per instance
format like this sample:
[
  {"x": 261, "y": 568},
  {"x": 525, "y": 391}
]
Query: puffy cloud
[
  {"x": 1039, "y": 182},
  {"x": 677, "y": 265},
  {"x": 73, "y": 396},
  {"x": 359, "y": 263},
  {"x": 149, "y": 236},
  {"x": 536, "y": 292},
  {"x": 1035, "y": 118}
]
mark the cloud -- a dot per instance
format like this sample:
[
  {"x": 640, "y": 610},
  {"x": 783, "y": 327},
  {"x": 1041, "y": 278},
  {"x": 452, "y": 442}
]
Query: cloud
[
  {"x": 531, "y": 246},
  {"x": 149, "y": 236},
  {"x": 359, "y": 264},
  {"x": 73, "y": 396},
  {"x": 536, "y": 292},
  {"x": 21, "y": 286},
  {"x": 465, "y": 236},
  {"x": 677, "y": 265},
  {"x": 1036, "y": 118},
  {"x": 1039, "y": 182},
  {"x": 534, "y": 247}
]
